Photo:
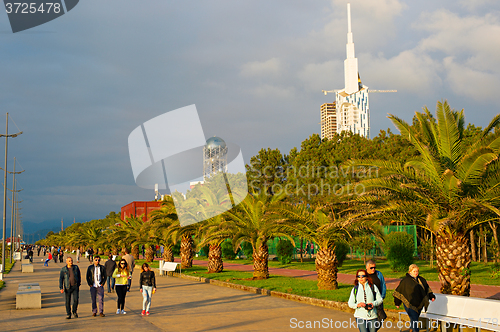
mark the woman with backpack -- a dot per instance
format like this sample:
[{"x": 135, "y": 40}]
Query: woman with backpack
[
  {"x": 365, "y": 297},
  {"x": 148, "y": 287}
]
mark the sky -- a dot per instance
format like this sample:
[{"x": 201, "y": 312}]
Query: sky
[{"x": 79, "y": 85}]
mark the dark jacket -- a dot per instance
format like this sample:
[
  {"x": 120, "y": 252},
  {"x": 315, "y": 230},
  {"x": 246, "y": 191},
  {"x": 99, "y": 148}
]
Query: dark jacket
[
  {"x": 110, "y": 267},
  {"x": 147, "y": 279},
  {"x": 413, "y": 293},
  {"x": 90, "y": 275},
  {"x": 64, "y": 277}
]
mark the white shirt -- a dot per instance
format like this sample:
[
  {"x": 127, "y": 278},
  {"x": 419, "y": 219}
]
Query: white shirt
[{"x": 97, "y": 276}]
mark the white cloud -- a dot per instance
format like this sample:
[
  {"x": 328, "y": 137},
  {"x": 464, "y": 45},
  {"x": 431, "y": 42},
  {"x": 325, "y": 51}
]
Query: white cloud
[
  {"x": 272, "y": 91},
  {"x": 478, "y": 85},
  {"x": 271, "y": 67},
  {"x": 322, "y": 76}
]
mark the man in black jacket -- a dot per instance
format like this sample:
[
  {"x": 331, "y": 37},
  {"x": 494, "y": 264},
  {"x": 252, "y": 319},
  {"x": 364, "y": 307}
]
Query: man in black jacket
[
  {"x": 96, "y": 278},
  {"x": 110, "y": 267},
  {"x": 69, "y": 284}
]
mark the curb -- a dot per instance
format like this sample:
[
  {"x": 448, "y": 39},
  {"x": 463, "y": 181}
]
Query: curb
[{"x": 392, "y": 315}]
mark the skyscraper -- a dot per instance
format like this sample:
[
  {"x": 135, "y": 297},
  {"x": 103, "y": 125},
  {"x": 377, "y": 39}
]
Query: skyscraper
[{"x": 351, "y": 109}]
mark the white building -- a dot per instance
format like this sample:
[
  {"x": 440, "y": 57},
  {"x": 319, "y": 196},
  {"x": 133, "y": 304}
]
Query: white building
[{"x": 352, "y": 112}]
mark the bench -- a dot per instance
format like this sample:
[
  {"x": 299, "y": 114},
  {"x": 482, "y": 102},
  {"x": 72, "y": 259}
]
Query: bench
[
  {"x": 168, "y": 267},
  {"x": 29, "y": 296},
  {"x": 462, "y": 312},
  {"x": 27, "y": 268}
]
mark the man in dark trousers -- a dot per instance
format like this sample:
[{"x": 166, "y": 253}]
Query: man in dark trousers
[
  {"x": 110, "y": 267},
  {"x": 379, "y": 281},
  {"x": 96, "y": 278},
  {"x": 69, "y": 284}
]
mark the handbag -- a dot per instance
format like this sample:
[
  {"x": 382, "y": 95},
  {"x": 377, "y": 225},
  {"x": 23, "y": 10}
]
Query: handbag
[{"x": 381, "y": 315}]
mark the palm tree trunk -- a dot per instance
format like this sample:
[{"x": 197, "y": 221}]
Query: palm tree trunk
[
  {"x": 473, "y": 246},
  {"x": 149, "y": 254},
  {"x": 215, "y": 264},
  {"x": 326, "y": 267},
  {"x": 453, "y": 260},
  {"x": 187, "y": 251},
  {"x": 260, "y": 262},
  {"x": 135, "y": 252},
  {"x": 168, "y": 254}
]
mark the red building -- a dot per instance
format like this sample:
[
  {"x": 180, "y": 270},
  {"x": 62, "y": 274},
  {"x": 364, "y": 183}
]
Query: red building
[{"x": 136, "y": 209}]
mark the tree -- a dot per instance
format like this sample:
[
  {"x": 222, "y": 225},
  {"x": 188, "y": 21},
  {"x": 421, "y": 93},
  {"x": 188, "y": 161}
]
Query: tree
[
  {"x": 322, "y": 225},
  {"x": 446, "y": 183},
  {"x": 253, "y": 223}
]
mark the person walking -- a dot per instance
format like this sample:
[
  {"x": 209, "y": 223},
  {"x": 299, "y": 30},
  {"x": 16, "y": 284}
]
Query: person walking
[
  {"x": 414, "y": 292},
  {"x": 61, "y": 256},
  {"x": 78, "y": 255},
  {"x": 69, "y": 284},
  {"x": 378, "y": 280},
  {"x": 110, "y": 267},
  {"x": 39, "y": 248},
  {"x": 364, "y": 298},
  {"x": 96, "y": 278},
  {"x": 30, "y": 255},
  {"x": 121, "y": 275},
  {"x": 46, "y": 263},
  {"x": 131, "y": 265},
  {"x": 147, "y": 284},
  {"x": 54, "y": 256},
  {"x": 91, "y": 254}
]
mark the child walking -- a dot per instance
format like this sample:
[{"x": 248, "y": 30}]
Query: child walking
[{"x": 148, "y": 287}]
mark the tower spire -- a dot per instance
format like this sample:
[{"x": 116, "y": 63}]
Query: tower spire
[{"x": 351, "y": 62}]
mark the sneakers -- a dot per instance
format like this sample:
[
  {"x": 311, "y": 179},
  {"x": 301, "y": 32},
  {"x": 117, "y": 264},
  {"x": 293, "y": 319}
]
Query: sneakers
[
  {"x": 68, "y": 317},
  {"x": 75, "y": 315},
  {"x": 118, "y": 311},
  {"x": 123, "y": 312},
  {"x": 143, "y": 312},
  {"x": 147, "y": 313},
  {"x": 102, "y": 314}
]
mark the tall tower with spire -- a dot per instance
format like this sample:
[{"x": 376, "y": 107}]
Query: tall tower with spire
[{"x": 352, "y": 110}]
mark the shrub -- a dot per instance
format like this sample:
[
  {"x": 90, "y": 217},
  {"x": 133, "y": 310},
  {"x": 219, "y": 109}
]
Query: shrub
[
  {"x": 247, "y": 249},
  {"x": 176, "y": 249},
  {"x": 399, "y": 248},
  {"x": 285, "y": 251},
  {"x": 341, "y": 250},
  {"x": 227, "y": 250}
]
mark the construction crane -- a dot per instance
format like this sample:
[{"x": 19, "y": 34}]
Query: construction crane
[{"x": 326, "y": 92}]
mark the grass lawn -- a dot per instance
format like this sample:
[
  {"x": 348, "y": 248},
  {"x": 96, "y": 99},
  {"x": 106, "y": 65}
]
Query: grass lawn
[
  {"x": 284, "y": 284},
  {"x": 480, "y": 272}
]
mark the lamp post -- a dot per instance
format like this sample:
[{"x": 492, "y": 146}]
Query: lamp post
[
  {"x": 14, "y": 191},
  {"x": 5, "y": 189}
]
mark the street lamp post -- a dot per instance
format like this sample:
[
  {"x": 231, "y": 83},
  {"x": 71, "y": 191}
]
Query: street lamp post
[
  {"x": 14, "y": 204},
  {"x": 5, "y": 189}
]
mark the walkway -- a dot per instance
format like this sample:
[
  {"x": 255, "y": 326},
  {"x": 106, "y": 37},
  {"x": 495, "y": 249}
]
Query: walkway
[
  {"x": 482, "y": 291},
  {"x": 178, "y": 305}
]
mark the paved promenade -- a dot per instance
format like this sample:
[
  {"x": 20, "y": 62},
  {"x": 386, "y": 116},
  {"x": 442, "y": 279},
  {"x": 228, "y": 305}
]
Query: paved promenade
[
  {"x": 178, "y": 305},
  {"x": 482, "y": 291}
]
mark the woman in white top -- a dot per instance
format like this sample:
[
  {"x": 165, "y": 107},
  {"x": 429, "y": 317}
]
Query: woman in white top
[{"x": 365, "y": 297}]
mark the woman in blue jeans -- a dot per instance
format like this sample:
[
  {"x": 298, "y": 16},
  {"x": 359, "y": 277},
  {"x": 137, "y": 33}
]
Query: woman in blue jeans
[
  {"x": 365, "y": 297},
  {"x": 148, "y": 287}
]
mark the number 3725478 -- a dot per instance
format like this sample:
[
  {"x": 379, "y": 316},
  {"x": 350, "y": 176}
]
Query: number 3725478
[{"x": 32, "y": 8}]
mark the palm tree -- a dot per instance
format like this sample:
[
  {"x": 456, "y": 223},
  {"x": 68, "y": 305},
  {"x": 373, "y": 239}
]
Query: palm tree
[
  {"x": 323, "y": 226},
  {"x": 254, "y": 223},
  {"x": 129, "y": 232},
  {"x": 446, "y": 183}
]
